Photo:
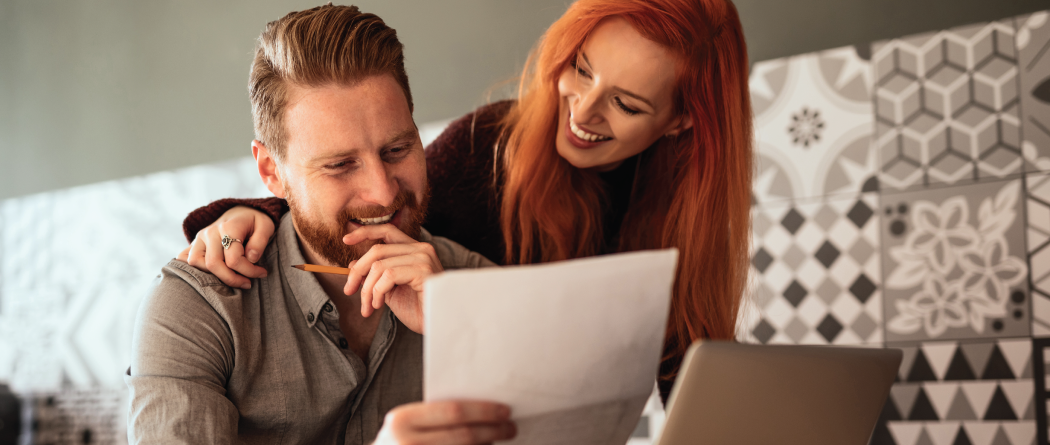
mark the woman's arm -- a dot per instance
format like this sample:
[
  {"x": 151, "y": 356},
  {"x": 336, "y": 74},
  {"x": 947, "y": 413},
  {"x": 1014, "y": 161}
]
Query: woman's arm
[{"x": 198, "y": 219}]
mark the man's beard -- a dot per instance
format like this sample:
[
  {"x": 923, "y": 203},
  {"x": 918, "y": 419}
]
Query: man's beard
[{"x": 327, "y": 240}]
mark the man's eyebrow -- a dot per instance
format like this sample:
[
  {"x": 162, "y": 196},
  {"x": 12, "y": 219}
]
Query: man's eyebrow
[
  {"x": 618, "y": 89},
  {"x": 400, "y": 137}
]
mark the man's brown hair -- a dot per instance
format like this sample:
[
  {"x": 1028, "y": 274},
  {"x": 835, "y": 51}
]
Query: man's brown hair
[{"x": 326, "y": 45}]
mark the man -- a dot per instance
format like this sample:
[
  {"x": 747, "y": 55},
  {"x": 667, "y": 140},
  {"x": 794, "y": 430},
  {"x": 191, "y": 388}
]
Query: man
[{"x": 298, "y": 357}]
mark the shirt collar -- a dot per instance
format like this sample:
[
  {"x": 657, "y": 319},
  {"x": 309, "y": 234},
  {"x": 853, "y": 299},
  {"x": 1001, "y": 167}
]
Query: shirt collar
[{"x": 305, "y": 287}]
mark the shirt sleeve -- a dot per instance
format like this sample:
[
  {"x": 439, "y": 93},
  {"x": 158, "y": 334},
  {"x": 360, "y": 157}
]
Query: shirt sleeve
[
  {"x": 182, "y": 355},
  {"x": 204, "y": 216}
]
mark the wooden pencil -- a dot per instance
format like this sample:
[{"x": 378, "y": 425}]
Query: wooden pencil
[{"x": 323, "y": 269}]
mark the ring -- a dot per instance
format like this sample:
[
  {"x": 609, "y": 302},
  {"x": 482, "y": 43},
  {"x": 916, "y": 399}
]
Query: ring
[{"x": 227, "y": 242}]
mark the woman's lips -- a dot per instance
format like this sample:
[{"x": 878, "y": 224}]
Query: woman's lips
[{"x": 576, "y": 141}]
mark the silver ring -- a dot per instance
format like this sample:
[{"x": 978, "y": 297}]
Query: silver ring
[{"x": 227, "y": 242}]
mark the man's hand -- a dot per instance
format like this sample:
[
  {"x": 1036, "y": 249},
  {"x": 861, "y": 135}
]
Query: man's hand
[
  {"x": 232, "y": 265},
  {"x": 447, "y": 422},
  {"x": 391, "y": 273}
]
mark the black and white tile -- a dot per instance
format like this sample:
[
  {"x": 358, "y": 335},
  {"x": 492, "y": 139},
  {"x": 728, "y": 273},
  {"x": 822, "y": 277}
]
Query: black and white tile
[
  {"x": 818, "y": 273},
  {"x": 980, "y": 392}
]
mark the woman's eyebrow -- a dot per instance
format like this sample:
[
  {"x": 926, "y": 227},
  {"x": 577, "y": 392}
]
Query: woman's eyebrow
[
  {"x": 635, "y": 96},
  {"x": 627, "y": 93}
]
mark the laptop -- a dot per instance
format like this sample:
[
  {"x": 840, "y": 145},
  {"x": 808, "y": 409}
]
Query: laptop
[{"x": 742, "y": 394}]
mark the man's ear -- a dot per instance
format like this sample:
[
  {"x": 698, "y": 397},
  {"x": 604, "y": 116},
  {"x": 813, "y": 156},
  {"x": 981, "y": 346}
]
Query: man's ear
[
  {"x": 268, "y": 171},
  {"x": 680, "y": 124}
]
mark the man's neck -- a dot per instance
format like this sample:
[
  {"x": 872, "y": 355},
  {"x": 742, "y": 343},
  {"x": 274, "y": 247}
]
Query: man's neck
[{"x": 359, "y": 331}]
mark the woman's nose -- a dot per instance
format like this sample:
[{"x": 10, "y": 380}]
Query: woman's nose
[{"x": 586, "y": 109}]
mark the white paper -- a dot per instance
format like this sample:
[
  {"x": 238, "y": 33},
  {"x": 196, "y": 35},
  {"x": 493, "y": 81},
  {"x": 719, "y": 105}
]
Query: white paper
[{"x": 573, "y": 347}]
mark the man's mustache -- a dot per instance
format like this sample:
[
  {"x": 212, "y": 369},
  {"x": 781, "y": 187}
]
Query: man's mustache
[{"x": 403, "y": 199}]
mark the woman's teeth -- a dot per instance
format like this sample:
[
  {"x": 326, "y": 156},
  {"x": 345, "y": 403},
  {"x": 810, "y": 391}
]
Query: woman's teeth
[
  {"x": 371, "y": 221},
  {"x": 585, "y": 135}
]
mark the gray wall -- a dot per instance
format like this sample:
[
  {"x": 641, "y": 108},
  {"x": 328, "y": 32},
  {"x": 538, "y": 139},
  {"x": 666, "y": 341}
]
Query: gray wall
[{"x": 104, "y": 89}]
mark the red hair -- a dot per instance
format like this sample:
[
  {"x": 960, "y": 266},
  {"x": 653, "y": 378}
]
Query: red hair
[{"x": 692, "y": 191}]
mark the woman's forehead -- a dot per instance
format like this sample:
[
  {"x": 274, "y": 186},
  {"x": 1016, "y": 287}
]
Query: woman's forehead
[{"x": 618, "y": 52}]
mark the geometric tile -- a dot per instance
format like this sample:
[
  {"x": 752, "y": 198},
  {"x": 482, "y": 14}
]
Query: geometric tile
[
  {"x": 829, "y": 328},
  {"x": 816, "y": 250},
  {"x": 795, "y": 293},
  {"x": 939, "y": 355},
  {"x": 1033, "y": 39},
  {"x": 1040, "y": 355},
  {"x": 813, "y": 126},
  {"x": 1038, "y": 248},
  {"x": 947, "y": 108}
]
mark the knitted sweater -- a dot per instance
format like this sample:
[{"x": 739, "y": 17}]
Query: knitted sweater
[{"x": 464, "y": 197}]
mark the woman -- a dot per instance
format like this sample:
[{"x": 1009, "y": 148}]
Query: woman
[{"x": 632, "y": 130}]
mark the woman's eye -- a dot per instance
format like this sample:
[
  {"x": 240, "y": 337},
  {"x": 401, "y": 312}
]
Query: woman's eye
[
  {"x": 579, "y": 70},
  {"x": 630, "y": 111}
]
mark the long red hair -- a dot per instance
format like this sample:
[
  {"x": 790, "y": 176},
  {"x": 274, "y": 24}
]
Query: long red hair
[{"x": 692, "y": 191}]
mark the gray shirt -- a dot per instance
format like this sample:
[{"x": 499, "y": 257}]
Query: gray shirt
[{"x": 213, "y": 364}]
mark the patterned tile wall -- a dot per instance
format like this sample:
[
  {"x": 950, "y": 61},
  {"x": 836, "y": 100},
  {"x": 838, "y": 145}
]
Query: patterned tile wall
[{"x": 903, "y": 200}]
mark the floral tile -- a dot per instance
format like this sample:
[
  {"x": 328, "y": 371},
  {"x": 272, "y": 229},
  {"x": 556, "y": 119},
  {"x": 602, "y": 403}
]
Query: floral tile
[
  {"x": 947, "y": 108},
  {"x": 817, "y": 273},
  {"x": 813, "y": 125},
  {"x": 954, "y": 263},
  {"x": 1033, "y": 45}
]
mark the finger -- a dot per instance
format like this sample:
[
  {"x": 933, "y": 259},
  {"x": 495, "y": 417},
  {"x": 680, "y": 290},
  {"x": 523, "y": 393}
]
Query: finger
[
  {"x": 451, "y": 413},
  {"x": 215, "y": 260},
  {"x": 387, "y": 233},
  {"x": 375, "y": 273},
  {"x": 467, "y": 434},
  {"x": 182, "y": 256},
  {"x": 363, "y": 265},
  {"x": 260, "y": 237},
  {"x": 410, "y": 274},
  {"x": 235, "y": 259},
  {"x": 195, "y": 257}
]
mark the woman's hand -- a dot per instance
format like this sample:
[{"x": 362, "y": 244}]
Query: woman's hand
[
  {"x": 231, "y": 265},
  {"x": 391, "y": 273},
  {"x": 447, "y": 422}
]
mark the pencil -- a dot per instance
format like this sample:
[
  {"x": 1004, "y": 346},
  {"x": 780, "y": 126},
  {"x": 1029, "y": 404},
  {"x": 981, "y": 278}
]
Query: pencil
[{"x": 323, "y": 269}]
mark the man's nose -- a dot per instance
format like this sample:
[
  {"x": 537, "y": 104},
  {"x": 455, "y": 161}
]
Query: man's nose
[{"x": 379, "y": 186}]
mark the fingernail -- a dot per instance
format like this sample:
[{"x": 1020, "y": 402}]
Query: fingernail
[
  {"x": 246, "y": 286},
  {"x": 504, "y": 411},
  {"x": 253, "y": 255}
]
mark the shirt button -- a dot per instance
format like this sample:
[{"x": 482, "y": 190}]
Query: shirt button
[
  {"x": 310, "y": 317},
  {"x": 342, "y": 343},
  {"x": 328, "y": 307}
]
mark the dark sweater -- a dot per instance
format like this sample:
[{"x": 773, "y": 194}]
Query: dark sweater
[{"x": 464, "y": 198}]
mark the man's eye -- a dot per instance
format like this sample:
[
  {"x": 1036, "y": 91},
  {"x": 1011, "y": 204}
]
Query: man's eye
[
  {"x": 337, "y": 165},
  {"x": 396, "y": 153}
]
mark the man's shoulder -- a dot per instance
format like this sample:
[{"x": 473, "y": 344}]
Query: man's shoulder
[
  {"x": 183, "y": 291},
  {"x": 453, "y": 255}
]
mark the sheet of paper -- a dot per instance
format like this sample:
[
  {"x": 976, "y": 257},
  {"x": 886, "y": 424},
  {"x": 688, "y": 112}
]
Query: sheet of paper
[{"x": 573, "y": 347}]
